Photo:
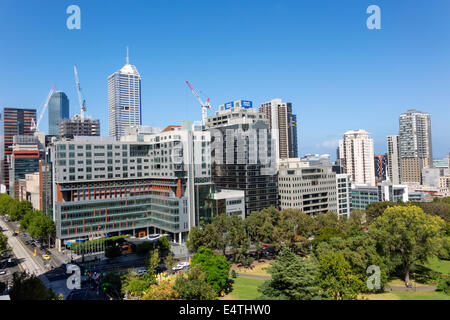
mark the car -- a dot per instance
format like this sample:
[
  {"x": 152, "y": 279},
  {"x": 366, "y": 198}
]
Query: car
[
  {"x": 180, "y": 266},
  {"x": 141, "y": 271},
  {"x": 2, "y": 271},
  {"x": 46, "y": 257}
]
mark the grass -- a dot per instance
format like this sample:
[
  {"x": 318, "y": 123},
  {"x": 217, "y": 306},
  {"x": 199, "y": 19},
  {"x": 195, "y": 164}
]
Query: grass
[
  {"x": 438, "y": 265},
  {"x": 407, "y": 295},
  {"x": 245, "y": 289},
  {"x": 258, "y": 269}
]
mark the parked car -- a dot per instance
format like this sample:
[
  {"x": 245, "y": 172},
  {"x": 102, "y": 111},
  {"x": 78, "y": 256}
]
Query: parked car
[
  {"x": 180, "y": 266},
  {"x": 2, "y": 271},
  {"x": 141, "y": 271}
]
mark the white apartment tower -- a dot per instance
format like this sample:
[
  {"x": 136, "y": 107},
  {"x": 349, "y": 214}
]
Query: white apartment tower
[
  {"x": 393, "y": 154},
  {"x": 357, "y": 156},
  {"x": 124, "y": 100}
]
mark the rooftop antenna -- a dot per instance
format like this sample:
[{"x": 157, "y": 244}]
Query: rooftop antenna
[{"x": 128, "y": 60}]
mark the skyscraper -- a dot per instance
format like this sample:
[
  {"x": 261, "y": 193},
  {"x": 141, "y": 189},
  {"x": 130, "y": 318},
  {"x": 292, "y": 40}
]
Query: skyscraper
[
  {"x": 415, "y": 144},
  {"x": 242, "y": 156},
  {"x": 283, "y": 126},
  {"x": 356, "y": 155},
  {"x": 13, "y": 122},
  {"x": 58, "y": 109},
  {"x": 393, "y": 158},
  {"x": 124, "y": 99}
]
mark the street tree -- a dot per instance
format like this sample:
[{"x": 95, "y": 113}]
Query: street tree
[{"x": 29, "y": 287}]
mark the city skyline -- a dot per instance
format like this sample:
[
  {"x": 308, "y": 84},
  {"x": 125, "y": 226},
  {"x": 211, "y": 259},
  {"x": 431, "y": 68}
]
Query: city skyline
[{"x": 351, "y": 76}]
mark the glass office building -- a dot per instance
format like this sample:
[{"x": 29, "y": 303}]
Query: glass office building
[{"x": 58, "y": 109}]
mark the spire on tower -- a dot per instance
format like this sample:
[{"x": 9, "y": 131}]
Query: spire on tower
[{"x": 128, "y": 60}]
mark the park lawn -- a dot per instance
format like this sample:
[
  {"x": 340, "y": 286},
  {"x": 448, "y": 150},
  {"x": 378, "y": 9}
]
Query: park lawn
[
  {"x": 425, "y": 295},
  {"x": 401, "y": 283},
  {"x": 259, "y": 269},
  {"x": 406, "y": 295},
  {"x": 438, "y": 265},
  {"x": 245, "y": 289}
]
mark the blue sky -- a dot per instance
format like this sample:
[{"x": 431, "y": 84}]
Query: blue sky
[{"x": 319, "y": 55}]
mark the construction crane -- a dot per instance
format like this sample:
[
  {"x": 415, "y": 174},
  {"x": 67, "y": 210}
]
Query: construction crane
[
  {"x": 80, "y": 99},
  {"x": 205, "y": 106},
  {"x": 34, "y": 125}
]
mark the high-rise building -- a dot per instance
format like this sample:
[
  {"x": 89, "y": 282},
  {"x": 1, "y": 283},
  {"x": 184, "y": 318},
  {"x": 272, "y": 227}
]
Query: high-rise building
[
  {"x": 58, "y": 109},
  {"x": 356, "y": 155},
  {"x": 380, "y": 163},
  {"x": 283, "y": 125},
  {"x": 343, "y": 195},
  {"x": 415, "y": 144},
  {"x": 310, "y": 188},
  {"x": 13, "y": 122},
  {"x": 79, "y": 126},
  {"x": 242, "y": 155},
  {"x": 124, "y": 100},
  {"x": 145, "y": 183},
  {"x": 26, "y": 153},
  {"x": 393, "y": 158}
]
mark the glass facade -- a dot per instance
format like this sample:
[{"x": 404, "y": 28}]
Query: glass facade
[{"x": 58, "y": 109}]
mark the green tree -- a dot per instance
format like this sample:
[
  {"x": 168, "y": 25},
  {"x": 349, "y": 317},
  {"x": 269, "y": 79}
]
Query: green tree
[
  {"x": 162, "y": 291},
  {"x": 336, "y": 279},
  {"x": 5, "y": 204},
  {"x": 4, "y": 248},
  {"x": 292, "y": 229},
  {"x": 376, "y": 209},
  {"x": 293, "y": 278},
  {"x": 326, "y": 234},
  {"x": 152, "y": 262},
  {"x": 29, "y": 287},
  {"x": 360, "y": 252},
  {"x": 163, "y": 244},
  {"x": 132, "y": 284},
  {"x": 18, "y": 209},
  {"x": 214, "y": 265},
  {"x": 170, "y": 261},
  {"x": 329, "y": 220},
  {"x": 407, "y": 234},
  {"x": 194, "y": 285},
  {"x": 259, "y": 226},
  {"x": 41, "y": 226}
]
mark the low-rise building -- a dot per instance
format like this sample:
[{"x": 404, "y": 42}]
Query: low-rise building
[{"x": 311, "y": 189}]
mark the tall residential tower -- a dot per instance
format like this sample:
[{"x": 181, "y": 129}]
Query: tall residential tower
[
  {"x": 357, "y": 158},
  {"x": 283, "y": 126},
  {"x": 415, "y": 144}
]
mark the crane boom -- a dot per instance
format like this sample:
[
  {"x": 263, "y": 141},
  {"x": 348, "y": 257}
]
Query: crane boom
[
  {"x": 80, "y": 99},
  {"x": 36, "y": 125},
  {"x": 205, "y": 106}
]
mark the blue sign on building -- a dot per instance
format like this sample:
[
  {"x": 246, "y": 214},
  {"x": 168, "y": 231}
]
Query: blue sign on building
[
  {"x": 246, "y": 104},
  {"x": 229, "y": 105}
]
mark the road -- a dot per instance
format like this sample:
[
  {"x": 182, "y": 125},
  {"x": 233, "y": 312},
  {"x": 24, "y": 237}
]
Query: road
[{"x": 23, "y": 255}]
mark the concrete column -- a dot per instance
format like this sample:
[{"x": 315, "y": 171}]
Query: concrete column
[
  {"x": 180, "y": 238},
  {"x": 58, "y": 244},
  {"x": 148, "y": 229}
]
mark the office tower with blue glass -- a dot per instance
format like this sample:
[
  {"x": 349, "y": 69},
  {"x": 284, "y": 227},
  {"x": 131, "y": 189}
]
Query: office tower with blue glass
[
  {"x": 58, "y": 109},
  {"x": 124, "y": 100}
]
